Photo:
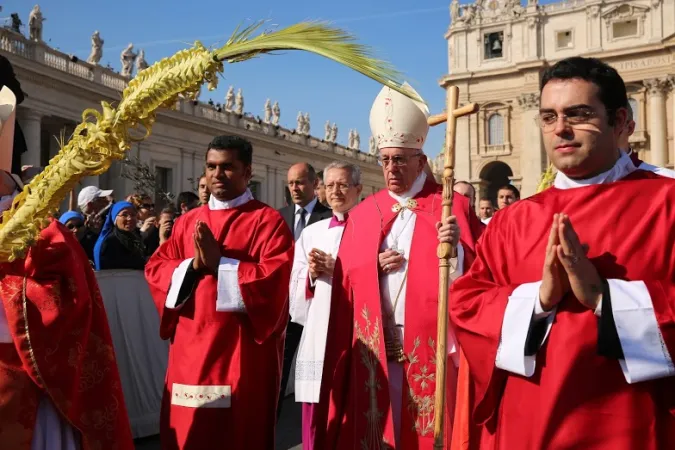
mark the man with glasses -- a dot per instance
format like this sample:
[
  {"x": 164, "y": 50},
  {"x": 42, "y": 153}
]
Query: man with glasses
[
  {"x": 566, "y": 317},
  {"x": 379, "y": 368},
  {"x": 304, "y": 211},
  {"x": 310, "y": 289}
]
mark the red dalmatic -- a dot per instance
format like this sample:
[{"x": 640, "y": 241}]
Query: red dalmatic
[
  {"x": 575, "y": 398},
  {"x": 61, "y": 348},
  {"x": 241, "y": 350},
  {"x": 355, "y": 384}
]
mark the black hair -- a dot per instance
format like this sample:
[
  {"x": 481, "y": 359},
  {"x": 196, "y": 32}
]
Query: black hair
[
  {"x": 511, "y": 188},
  {"x": 188, "y": 198},
  {"x": 486, "y": 199},
  {"x": 230, "y": 142},
  {"x": 612, "y": 90},
  {"x": 319, "y": 175}
]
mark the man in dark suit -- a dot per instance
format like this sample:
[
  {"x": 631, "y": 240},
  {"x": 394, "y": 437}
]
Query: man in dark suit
[{"x": 304, "y": 211}]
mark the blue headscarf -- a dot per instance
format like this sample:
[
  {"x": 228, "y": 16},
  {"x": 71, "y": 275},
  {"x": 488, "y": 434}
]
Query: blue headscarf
[
  {"x": 108, "y": 227},
  {"x": 70, "y": 215}
]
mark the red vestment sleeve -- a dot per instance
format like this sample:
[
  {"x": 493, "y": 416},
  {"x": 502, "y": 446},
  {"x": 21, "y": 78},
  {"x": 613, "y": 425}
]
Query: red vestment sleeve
[
  {"x": 264, "y": 284},
  {"x": 60, "y": 330},
  {"x": 477, "y": 306},
  {"x": 158, "y": 272}
]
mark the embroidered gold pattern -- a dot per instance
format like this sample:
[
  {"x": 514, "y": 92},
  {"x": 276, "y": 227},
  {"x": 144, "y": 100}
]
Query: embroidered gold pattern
[
  {"x": 421, "y": 407},
  {"x": 369, "y": 340}
]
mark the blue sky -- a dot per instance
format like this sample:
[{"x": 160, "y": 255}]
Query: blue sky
[{"x": 408, "y": 34}]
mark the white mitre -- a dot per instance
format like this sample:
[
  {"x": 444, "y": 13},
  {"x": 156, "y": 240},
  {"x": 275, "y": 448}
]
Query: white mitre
[{"x": 397, "y": 120}]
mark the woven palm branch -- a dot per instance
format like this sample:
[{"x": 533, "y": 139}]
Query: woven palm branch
[
  {"x": 547, "y": 179},
  {"x": 104, "y": 136}
]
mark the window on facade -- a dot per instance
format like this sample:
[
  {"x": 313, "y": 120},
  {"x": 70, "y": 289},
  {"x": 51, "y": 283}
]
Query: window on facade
[
  {"x": 163, "y": 184},
  {"x": 254, "y": 187},
  {"x": 625, "y": 28},
  {"x": 634, "y": 107},
  {"x": 495, "y": 130},
  {"x": 564, "y": 39},
  {"x": 494, "y": 45}
]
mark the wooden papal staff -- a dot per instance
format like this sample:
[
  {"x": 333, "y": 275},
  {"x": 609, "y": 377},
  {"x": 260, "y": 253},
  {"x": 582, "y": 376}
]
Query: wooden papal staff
[{"x": 446, "y": 251}]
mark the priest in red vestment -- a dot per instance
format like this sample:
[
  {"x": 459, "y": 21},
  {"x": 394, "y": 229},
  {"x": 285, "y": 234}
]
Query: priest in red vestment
[
  {"x": 379, "y": 370},
  {"x": 221, "y": 286},
  {"x": 567, "y": 316},
  {"x": 59, "y": 384}
]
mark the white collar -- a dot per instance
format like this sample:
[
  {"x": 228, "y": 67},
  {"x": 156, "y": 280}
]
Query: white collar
[
  {"x": 623, "y": 167},
  {"x": 341, "y": 216},
  {"x": 309, "y": 207},
  {"x": 215, "y": 204},
  {"x": 415, "y": 189}
]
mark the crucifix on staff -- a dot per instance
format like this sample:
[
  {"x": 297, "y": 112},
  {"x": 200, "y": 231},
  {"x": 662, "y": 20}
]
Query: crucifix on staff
[{"x": 445, "y": 250}]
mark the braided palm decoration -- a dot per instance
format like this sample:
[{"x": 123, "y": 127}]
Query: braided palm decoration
[
  {"x": 104, "y": 136},
  {"x": 547, "y": 179}
]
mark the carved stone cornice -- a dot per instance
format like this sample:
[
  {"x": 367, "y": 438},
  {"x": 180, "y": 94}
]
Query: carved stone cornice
[
  {"x": 658, "y": 86},
  {"x": 529, "y": 100},
  {"x": 533, "y": 21},
  {"x": 593, "y": 11}
]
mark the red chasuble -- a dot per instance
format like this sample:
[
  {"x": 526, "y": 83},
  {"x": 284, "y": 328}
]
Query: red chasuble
[
  {"x": 242, "y": 350},
  {"x": 62, "y": 347},
  {"x": 355, "y": 383},
  {"x": 575, "y": 398}
]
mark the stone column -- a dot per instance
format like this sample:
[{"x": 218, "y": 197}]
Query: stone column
[
  {"x": 658, "y": 135},
  {"x": 531, "y": 149},
  {"x": 31, "y": 125},
  {"x": 462, "y": 151}
]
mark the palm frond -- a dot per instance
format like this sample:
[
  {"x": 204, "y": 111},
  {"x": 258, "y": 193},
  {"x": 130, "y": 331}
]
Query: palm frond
[
  {"x": 547, "y": 179},
  {"x": 314, "y": 37}
]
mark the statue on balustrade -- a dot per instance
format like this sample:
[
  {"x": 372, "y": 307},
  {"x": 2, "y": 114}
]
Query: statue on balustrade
[
  {"x": 305, "y": 129},
  {"x": 327, "y": 131},
  {"x": 239, "y": 103},
  {"x": 350, "y": 139},
  {"x": 127, "y": 58},
  {"x": 356, "y": 141},
  {"x": 268, "y": 111},
  {"x": 372, "y": 146},
  {"x": 96, "y": 49},
  {"x": 16, "y": 23},
  {"x": 300, "y": 123},
  {"x": 334, "y": 133},
  {"x": 454, "y": 11},
  {"x": 35, "y": 20},
  {"x": 276, "y": 113},
  {"x": 229, "y": 99},
  {"x": 141, "y": 63}
]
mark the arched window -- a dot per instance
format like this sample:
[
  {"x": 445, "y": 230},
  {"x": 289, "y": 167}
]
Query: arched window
[
  {"x": 634, "y": 106},
  {"x": 496, "y": 130}
]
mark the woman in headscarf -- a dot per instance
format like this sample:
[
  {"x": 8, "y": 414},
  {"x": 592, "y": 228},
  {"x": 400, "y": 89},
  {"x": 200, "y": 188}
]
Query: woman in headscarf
[{"x": 119, "y": 245}]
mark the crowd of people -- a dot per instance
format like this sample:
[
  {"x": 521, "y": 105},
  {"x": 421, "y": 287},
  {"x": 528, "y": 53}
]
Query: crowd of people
[{"x": 561, "y": 305}]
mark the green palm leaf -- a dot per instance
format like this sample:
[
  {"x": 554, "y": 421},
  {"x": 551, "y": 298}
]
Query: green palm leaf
[{"x": 314, "y": 37}]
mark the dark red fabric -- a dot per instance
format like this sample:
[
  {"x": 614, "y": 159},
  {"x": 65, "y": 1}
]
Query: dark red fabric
[
  {"x": 355, "y": 387},
  {"x": 62, "y": 346},
  {"x": 575, "y": 399},
  {"x": 209, "y": 347}
]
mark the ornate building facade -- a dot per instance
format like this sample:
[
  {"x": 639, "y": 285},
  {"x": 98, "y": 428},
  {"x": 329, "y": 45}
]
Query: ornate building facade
[
  {"x": 498, "y": 49},
  {"x": 59, "y": 87}
]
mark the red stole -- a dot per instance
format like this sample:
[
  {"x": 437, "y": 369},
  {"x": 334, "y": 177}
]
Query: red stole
[
  {"x": 63, "y": 345},
  {"x": 366, "y": 414}
]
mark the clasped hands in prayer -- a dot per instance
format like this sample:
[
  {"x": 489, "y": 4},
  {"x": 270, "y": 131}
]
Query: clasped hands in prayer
[
  {"x": 320, "y": 263},
  {"x": 448, "y": 232},
  {"x": 207, "y": 249},
  {"x": 567, "y": 268}
]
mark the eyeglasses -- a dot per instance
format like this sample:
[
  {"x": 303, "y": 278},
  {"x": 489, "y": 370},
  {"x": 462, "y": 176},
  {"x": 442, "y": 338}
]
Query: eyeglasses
[
  {"x": 338, "y": 186},
  {"x": 148, "y": 206},
  {"x": 548, "y": 120},
  {"x": 397, "y": 160},
  {"x": 72, "y": 226}
]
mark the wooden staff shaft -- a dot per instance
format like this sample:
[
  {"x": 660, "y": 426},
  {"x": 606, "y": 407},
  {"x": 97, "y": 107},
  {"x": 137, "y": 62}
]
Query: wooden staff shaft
[{"x": 445, "y": 252}]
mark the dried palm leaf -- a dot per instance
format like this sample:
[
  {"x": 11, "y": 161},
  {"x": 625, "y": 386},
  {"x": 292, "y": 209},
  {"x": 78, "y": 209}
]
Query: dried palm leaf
[
  {"x": 547, "y": 179},
  {"x": 105, "y": 136}
]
